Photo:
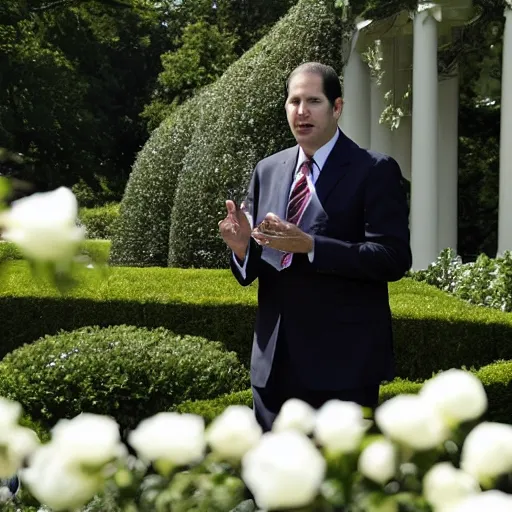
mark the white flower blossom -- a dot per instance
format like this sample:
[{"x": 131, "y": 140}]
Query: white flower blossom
[
  {"x": 340, "y": 426},
  {"x": 487, "y": 451},
  {"x": 445, "y": 486},
  {"x": 43, "y": 225},
  {"x": 171, "y": 437},
  {"x": 378, "y": 461},
  {"x": 295, "y": 415},
  {"x": 234, "y": 432},
  {"x": 285, "y": 470},
  {"x": 411, "y": 421},
  {"x": 53, "y": 479},
  {"x": 458, "y": 396},
  {"x": 495, "y": 501},
  {"x": 16, "y": 444},
  {"x": 91, "y": 440}
]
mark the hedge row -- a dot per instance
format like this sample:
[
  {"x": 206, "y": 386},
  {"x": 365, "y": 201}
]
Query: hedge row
[
  {"x": 433, "y": 331},
  {"x": 127, "y": 372},
  {"x": 100, "y": 221},
  {"x": 496, "y": 378},
  {"x": 204, "y": 153},
  {"x": 96, "y": 250}
]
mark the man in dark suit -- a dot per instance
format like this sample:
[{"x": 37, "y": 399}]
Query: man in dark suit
[{"x": 324, "y": 229}]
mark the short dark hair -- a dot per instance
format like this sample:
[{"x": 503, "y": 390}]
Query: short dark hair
[{"x": 330, "y": 80}]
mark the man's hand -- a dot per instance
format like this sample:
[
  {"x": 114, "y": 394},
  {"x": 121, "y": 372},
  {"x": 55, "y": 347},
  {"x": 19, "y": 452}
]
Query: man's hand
[
  {"x": 282, "y": 235},
  {"x": 235, "y": 230}
]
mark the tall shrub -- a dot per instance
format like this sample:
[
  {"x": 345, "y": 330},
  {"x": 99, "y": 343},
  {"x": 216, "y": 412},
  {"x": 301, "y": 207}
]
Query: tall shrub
[
  {"x": 142, "y": 231},
  {"x": 242, "y": 121}
]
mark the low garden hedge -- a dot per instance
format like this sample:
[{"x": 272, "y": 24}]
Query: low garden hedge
[
  {"x": 433, "y": 330},
  {"x": 100, "y": 222},
  {"x": 496, "y": 378},
  {"x": 97, "y": 250},
  {"x": 126, "y": 372}
]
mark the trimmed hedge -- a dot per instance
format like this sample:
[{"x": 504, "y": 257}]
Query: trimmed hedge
[
  {"x": 142, "y": 234},
  {"x": 127, "y": 372},
  {"x": 433, "y": 331},
  {"x": 97, "y": 250},
  {"x": 207, "y": 148},
  {"x": 100, "y": 221},
  {"x": 244, "y": 121},
  {"x": 496, "y": 378}
]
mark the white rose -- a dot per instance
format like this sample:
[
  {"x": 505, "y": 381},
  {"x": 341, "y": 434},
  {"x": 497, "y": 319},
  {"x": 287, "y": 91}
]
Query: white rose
[
  {"x": 43, "y": 225},
  {"x": 495, "y": 501},
  {"x": 444, "y": 486},
  {"x": 378, "y": 461},
  {"x": 458, "y": 395},
  {"x": 16, "y": 444},
  {"x": 90, "y": 440},
  {"x": 10, "y": 413},
  {"x": 409, "y": 420},
  {"x": 295, "y": 415},
  {"x": 284, "y": 470},
  {"x": 169, "y": 436},
  {"x": 54, "y": 480},
  {"x": 340, "y": 426},
  {"x": 234, "y": 432},
  {"x": 487, "y": 451}
]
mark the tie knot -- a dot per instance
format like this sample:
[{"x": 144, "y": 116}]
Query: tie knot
[{"x": 306, "y": 166}]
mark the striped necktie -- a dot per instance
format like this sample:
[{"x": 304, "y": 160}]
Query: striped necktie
[{"x": 299, "y": 199}]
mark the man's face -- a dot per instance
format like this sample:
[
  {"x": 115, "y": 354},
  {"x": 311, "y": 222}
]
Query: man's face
[{"x": 312, "y": 119}]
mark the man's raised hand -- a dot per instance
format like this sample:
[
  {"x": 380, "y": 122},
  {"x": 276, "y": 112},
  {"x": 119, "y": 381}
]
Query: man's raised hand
[{"x": 235, "y": 229}]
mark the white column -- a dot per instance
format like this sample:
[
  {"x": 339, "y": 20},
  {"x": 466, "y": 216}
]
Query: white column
[
  {"x": 381, "y": 134},
  {"x": 424, "y": 212},
  {"x": 355, "y": 119},
  {"x": 448, "y": 163},
  {"x": 505, "y": 199}
]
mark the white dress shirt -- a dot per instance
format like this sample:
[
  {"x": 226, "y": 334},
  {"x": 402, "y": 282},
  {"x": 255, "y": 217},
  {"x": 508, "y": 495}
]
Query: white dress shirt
[{"x": 319, "y": 159}]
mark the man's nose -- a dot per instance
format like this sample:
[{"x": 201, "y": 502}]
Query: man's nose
[{"x": 301, "y": 109}]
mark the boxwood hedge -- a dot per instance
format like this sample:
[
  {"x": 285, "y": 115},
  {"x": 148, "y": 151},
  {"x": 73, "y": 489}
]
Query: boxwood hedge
[
  {"x": 127, "y": 372},
  {"x": 433, "y": 330},
  {"x": 496, "y": 378},
  {"x": 207, "y": 149},
  {"x": 244, "y": 121}
]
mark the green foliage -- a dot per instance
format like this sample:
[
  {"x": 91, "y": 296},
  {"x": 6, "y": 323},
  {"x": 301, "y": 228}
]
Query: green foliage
[
  {"x": 122, "y": 371},
  {"x": 205, "y": 54},
  {"x": 433, "y": 331},
  {"x": 496, "y": 378},
  {"x": 211, "y": 143},
  {"x": 241, "y": 121},
  {"x": 95, "y": 250},
  {"x": 99, "y": 222},
  {"x": 485, "y": 282},
  {"x": 142, "y": 234}
]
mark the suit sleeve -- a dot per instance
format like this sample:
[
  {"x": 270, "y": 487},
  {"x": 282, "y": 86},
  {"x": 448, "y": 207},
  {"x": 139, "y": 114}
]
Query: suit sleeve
[
  {"x": 254, "y": 250},
  {"x": 385, "y": 253}
]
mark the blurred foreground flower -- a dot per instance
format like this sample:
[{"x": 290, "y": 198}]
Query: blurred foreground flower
[
  {"x": 295, "y": 415},
  {"x": 43, "y": 226},
  {"x": 67, "y": 472},
  {"x": 169, "y": 439},
  {"x": 487, "y": 452},
  {"x": 378, "y": 461},
  {"x": 457, "y": 395},
  {"x": 234, "y": 432},
  {"x": 284, "y": 470},
  {"x": 489, "y": 501}
]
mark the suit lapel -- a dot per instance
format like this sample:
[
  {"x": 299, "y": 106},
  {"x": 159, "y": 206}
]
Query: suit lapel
[
  {"x": 282, "y": 181},
  {"x": 335, "y": 168}
]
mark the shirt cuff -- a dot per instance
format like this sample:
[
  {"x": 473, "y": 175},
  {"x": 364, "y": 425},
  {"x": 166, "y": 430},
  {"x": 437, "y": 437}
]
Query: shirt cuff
[
  {"x": 311, "y": 254},
  {"x": 242, "y": 268}
]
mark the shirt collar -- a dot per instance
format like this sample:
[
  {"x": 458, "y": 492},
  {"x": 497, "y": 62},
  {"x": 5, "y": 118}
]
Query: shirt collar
[{"x": 321, "y": 154}]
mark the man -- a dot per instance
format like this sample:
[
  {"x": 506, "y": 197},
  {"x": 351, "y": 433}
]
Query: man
[{"x": 324, "y": 229}]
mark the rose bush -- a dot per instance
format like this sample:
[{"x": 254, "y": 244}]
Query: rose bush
[{"x": 415, "y": 457}]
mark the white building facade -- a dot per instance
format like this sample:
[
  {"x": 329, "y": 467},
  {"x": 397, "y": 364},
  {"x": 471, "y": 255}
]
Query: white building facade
[{"x": 395, "y": 62}]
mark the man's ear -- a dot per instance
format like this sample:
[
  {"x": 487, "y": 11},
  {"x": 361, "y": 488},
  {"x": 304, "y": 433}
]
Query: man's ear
[{"x": 338, "y": 107}]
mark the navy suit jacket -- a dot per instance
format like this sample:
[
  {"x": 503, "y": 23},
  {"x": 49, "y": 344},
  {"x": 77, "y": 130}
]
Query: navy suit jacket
[{"x": 333, "y": 312}]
